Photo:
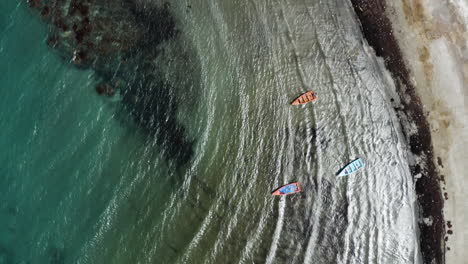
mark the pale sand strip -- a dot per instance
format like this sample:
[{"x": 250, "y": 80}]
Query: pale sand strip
[{"x": 433, "y": 37}]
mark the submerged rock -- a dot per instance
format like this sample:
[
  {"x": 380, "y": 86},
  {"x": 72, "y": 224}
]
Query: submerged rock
[
  {"x": 103, "y": 30},
  {"x": 120, "y": 40},
  {"x": 104, "y": 88}
]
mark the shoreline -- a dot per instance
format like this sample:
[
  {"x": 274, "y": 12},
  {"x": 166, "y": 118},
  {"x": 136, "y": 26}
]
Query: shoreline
[
  {"x": 434, "y": 41},
  {"x": 378, "y": 31}
]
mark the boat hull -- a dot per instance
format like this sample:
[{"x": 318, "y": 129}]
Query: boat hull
[
  {"x": 352, "y": 167},
  {"x": 305, "y": 98},
  {"x": 288, "y": 189}
]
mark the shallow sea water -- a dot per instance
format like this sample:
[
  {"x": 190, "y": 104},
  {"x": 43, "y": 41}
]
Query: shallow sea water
[{"x": 82, "y": 183}]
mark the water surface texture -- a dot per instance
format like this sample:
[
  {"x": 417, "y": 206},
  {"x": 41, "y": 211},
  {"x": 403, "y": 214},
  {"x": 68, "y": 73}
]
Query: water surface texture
[{"x": 178, "y": 165}]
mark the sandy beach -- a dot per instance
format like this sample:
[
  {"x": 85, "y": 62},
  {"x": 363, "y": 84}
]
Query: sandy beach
[
  {"x": 424, "y": 44},
  {"x": 433, "y": 38}
]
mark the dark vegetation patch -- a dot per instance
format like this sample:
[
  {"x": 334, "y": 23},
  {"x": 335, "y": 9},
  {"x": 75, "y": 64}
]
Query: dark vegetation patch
[
  {"x": 151, "y": 111},
  {"x": 377, "y": 30},
  {"x": 158, "y": 25},
  {"x": 121, "y": 41}
]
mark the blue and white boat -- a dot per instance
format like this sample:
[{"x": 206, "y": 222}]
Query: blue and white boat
[{"x": 352, "y": 167}]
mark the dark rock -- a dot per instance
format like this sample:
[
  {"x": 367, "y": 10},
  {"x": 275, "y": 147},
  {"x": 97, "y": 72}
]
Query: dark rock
[
  {"x": 416, "y": 169},
  {"x": 439, "y": 161},
  {"x": 415, "y": 144},
  {"x": 104, "y": 88},
  {"x": 79, "y": 57},
  {"x": 52, "y": 41},
  {"x": 78, "y": 6},
  {"x": 59, "y": 23},
  {"x": 45, "y": 11},
  {"x": 34, "y": 3}
]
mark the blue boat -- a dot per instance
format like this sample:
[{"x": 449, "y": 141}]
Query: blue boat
[
  {"x": 352, "y": 167},
  {"x": 287, "y": 189}
]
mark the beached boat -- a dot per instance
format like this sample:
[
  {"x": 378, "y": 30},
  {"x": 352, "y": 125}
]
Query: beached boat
[
  {"x": 352, "y": 167},
  {"x": 287, "y": 189},
  {"x": 305, "y": 98}
]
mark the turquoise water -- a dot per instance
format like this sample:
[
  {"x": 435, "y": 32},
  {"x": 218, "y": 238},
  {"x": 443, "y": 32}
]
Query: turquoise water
[
  {"x": 82, "y": 182},
  {"x": 65, "y": 153}
]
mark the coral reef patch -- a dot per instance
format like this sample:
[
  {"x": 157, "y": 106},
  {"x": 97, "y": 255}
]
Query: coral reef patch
[{"x": 121, "y": 41}]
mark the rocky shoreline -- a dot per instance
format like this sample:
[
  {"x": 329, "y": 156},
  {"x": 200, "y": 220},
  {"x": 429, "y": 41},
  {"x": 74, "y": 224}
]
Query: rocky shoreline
[{"x": 377, "y": 30}]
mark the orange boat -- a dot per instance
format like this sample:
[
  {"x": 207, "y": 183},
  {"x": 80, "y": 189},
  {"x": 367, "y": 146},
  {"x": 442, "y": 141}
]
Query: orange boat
[
  {"x": 287, "y": 189},
  {"x": 305, "y": 98}
]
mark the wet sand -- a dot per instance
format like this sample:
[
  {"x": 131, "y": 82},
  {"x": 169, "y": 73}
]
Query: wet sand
[{"x": 378, "y": 31}]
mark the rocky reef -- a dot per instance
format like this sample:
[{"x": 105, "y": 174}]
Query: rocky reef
[{"x": 121, "y": 41}]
